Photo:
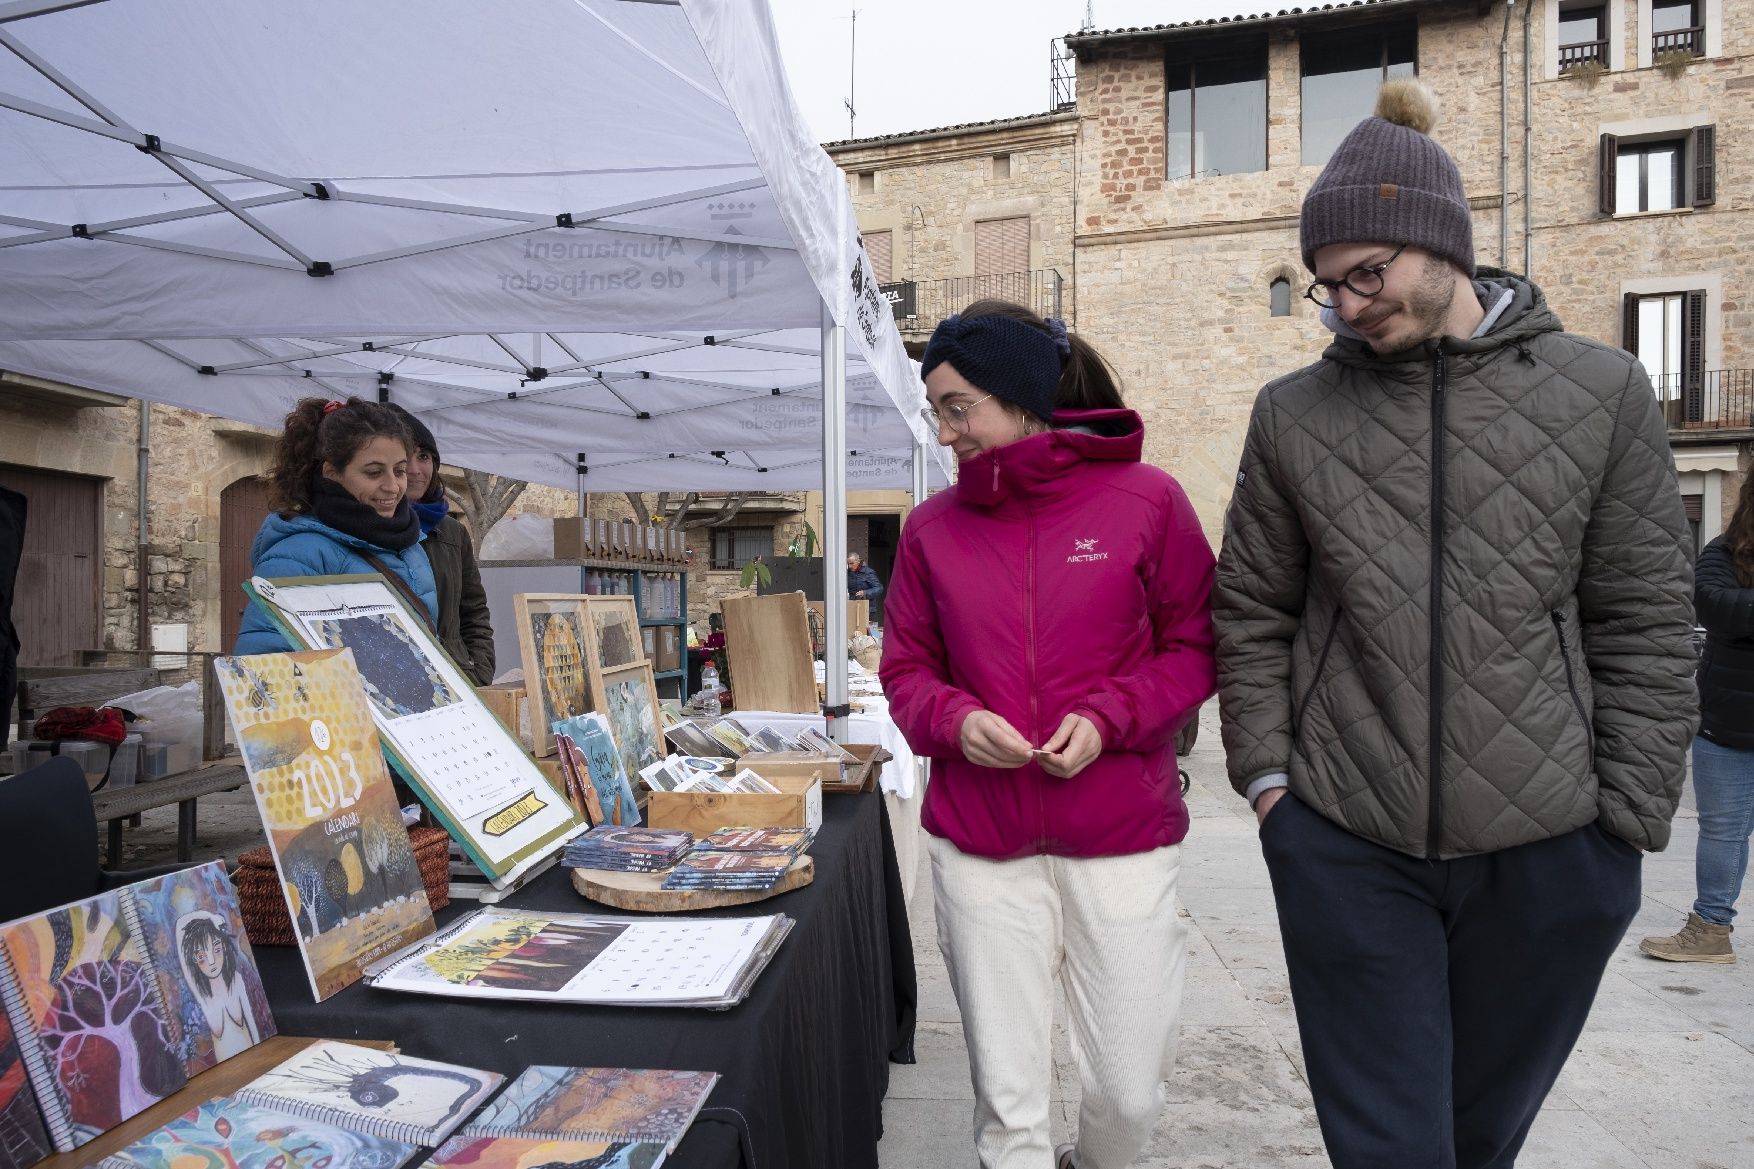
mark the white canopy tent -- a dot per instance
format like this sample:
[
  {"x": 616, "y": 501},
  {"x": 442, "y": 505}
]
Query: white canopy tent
[{"x": 550, "y": 228}]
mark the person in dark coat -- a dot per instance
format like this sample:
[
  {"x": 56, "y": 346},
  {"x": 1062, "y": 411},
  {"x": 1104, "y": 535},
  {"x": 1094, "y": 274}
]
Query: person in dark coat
[
  {"x": 862, "y": 582},
  {"x": 1723, "y": 751},
  {"x": 464, "y": 625}
]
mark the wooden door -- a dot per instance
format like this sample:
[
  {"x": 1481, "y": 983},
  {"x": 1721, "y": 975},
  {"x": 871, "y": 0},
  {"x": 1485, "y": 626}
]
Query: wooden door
[
  {"x": 57, "y": 606},
  {"x": 242, "y": 508}
]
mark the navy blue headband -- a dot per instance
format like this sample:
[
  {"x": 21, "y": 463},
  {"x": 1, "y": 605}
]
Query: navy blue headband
[{"x": 1006, "y": 358}]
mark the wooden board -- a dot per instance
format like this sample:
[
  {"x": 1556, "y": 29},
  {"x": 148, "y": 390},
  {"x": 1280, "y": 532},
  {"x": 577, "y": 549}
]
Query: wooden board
[
  {"x": 220, "y": 1080},
  {"x": 858, "y": 615},
  {"x": 768, "y": 642},
  {"x": 643, "y": 892}
]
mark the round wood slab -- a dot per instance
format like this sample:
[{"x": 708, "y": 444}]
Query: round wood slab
[{"x": 644, "y": 892}]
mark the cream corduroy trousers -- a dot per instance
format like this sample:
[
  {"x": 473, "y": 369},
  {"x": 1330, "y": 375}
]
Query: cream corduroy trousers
[{"x": 1107, "y": 928}]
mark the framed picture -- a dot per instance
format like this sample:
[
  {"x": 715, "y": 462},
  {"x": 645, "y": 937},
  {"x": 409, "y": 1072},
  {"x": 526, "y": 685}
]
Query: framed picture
[
  {"x": 556, "y": 640},
  {"x": 630, "y": 700},
  {"x": 616, "y": 633}
]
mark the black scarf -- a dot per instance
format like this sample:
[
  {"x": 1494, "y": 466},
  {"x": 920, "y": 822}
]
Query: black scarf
[{"x": 331, "y": 504}]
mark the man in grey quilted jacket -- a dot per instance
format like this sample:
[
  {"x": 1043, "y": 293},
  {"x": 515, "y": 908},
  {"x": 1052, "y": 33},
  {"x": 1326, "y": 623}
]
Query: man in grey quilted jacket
[{"x": 1453, "y": 608}]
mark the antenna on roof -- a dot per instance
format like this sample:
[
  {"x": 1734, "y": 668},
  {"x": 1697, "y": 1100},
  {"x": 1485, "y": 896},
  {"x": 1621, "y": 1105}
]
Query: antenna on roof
[
  {"x": 1089, "y": 16},
  {"x": 852, "y": 77}
]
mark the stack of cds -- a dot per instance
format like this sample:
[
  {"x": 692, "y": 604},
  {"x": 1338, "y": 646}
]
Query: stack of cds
[
  {"x": 739, "y": 859},
  {"x": 627, "y": 850}
]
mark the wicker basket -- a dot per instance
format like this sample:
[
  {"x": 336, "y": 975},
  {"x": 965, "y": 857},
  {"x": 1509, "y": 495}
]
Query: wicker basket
[{"x": 263, "y": 904}]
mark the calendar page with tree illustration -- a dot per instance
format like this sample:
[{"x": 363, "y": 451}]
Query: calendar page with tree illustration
[{"x": 436, "y": 731}]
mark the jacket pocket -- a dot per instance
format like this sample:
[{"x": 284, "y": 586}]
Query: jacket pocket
[
  {"x": 1589, "y": 727},
  {"x": 1315, "y": 679}
]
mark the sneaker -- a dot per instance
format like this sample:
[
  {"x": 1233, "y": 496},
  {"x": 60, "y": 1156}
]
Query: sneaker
[
  {"x": 1698, "y": 941},
  {"x": 1063, "y": 1157}
]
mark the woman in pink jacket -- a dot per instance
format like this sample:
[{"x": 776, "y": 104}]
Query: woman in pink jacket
[{"x": 1048, "y": 630}]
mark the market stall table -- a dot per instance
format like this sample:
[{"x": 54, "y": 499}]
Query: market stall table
[{"x": 803, "y": 1060}]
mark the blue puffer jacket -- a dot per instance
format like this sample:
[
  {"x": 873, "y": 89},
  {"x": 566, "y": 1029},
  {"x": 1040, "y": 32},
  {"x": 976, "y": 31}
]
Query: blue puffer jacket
[{"x": 305, "y": 546}]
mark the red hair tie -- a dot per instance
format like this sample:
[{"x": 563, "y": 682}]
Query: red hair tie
[{"x": 330, "y": 407}]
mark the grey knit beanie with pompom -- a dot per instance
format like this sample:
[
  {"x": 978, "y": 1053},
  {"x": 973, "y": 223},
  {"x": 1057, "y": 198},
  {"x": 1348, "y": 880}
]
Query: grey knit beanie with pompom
[{"x": 1389, "y": 182}]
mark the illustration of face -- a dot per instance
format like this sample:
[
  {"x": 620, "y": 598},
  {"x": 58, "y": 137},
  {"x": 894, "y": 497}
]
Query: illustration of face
[{"x": 210, "y": 956}]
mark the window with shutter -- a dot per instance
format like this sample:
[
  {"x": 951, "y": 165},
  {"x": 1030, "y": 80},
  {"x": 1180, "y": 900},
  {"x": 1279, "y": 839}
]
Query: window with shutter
[
  {"x": 1001, "y": 246},
  {"x": 1704, "y": 166},
  {"x": 1693, "y": 356},
  {"x": 1629, "y": 322},
  {"x": 1607, "y": 157},
  {"x": 1694, "y": 506},
  {"x": 880, "y": 247}
]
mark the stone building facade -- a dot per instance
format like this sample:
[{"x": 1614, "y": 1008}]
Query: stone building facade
[{"x": 1192, "y": 145}]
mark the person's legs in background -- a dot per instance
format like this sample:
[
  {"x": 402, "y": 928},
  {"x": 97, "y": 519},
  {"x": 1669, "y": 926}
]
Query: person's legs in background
[{"x": 1723, "y": 787}]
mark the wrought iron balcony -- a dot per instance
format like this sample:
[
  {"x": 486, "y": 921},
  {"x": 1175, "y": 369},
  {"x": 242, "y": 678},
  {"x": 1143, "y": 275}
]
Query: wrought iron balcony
[
  {"x": 1680, "y": 40},
  {"x": 920, "y": 304},
  {"x": 1571, "y": 56},
  {"x": 1712, "y": 400}
]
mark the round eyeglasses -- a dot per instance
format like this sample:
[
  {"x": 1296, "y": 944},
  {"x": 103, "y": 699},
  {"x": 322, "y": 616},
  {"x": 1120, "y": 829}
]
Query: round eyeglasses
[
  {"x": 1366, "y": 280},
  {"x": 958, "y": 415}
]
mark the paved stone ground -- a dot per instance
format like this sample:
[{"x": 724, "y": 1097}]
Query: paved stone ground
[{"x": 1663, "y": 1077}]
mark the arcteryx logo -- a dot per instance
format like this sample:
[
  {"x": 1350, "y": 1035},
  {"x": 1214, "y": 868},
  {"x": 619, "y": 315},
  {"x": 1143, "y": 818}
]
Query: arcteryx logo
[{"x": 1084, "y": 551}]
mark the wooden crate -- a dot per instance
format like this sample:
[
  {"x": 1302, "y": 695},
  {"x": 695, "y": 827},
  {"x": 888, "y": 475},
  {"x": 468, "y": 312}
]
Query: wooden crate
[
  {"x": 768, "y": 642},
  {"x": 798, "y": 806}
]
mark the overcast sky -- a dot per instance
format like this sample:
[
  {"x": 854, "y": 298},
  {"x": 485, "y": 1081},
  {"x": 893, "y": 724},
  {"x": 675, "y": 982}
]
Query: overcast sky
[{"x": 924, "y": 63}]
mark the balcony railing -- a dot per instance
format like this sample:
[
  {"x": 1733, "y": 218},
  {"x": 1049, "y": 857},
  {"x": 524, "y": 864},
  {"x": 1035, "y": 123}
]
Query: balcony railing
[
  {"x": 1681, "y": 40},
  {"x": 1571, "y": 56},
  {"x": 921, "y": 304},
  {"x": 1716, "y": 399}
]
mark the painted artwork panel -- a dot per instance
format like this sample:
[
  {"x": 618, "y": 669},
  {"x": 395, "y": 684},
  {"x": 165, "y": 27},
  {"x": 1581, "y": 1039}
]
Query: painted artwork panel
[
  {"x": 464, "y": 1152},
  {"x": 193, "y": 929},
  {"x": 87, "y": 985},
  {"x": 23, "y": 1139},
  {"x": 398, "y": 677},
  {"x": 352, "y": 887},
  {"x": 554, "y": 640},
  {"x": 229, "y": 1134},
  {"x": 630, "y": 701},
  {"x": 615, "y": 621},
  {"x": 420, "y": 1101},
  {"x": 617, "y": 1103}
]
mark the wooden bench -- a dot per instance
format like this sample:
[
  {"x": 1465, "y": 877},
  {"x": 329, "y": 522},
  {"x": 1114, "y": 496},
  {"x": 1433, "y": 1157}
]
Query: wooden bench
[{"x": 42, "y": 688}]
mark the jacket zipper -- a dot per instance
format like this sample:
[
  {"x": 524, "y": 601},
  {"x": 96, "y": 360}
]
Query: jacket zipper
[
  {"x": 1034, "y": 732},
  {"x": 1434, "y": 812},
  {"x": 1315, "y": 680},
  {"x": 1589, "y": 729}
]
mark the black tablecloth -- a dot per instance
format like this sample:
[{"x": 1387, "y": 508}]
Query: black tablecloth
[{"x": 803, "y": 1060}]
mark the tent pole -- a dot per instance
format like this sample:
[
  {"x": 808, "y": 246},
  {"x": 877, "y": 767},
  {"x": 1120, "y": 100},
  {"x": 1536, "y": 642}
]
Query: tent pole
[
  {"x": 834, "y": 522},
  {"x": 921, "y": 482}
]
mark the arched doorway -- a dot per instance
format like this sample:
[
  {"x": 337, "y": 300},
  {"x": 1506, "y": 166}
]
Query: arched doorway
[{"x": 242, "y": 508}]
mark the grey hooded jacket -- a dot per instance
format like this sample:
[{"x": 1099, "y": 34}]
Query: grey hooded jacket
[{"x": 1545, "y": 532}]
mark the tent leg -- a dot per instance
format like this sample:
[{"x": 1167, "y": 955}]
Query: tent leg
[
  {"x": 921, "y": 484},
  {"x": 834, "y": 520}
]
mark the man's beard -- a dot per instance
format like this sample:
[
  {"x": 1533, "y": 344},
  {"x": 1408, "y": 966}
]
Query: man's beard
[{"x": 1429, "y": 301}]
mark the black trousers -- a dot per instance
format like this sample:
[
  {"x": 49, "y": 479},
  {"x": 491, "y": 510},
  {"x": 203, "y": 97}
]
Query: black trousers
[{"x": 1438, "y": 1000}]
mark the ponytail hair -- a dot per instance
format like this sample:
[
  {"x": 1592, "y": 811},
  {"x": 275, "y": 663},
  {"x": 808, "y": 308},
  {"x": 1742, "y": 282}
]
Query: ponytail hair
[
  {"x": 1740, "y": 534},
  {"x": 319, "y": 431},
  {"x": 1087, "y": 380}
]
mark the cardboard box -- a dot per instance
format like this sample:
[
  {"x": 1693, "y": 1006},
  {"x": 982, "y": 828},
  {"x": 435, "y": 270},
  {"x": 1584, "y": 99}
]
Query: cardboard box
[
  {"x": 799, "y": 805},
  {"x": 648, "y": 638},
  {"x": 669, "y": 648},
  {"x": 572, "y": 539},
  {"x": 654, "y": 542},
  {"x": 678, "y": 546},
  {"x": 617, "y": 547}
]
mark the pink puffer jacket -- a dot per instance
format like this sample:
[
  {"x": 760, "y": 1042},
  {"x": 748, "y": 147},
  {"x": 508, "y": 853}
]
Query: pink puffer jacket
[{"x": 1060, "y": 574}]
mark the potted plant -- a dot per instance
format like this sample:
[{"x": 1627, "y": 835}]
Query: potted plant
[{"x": 1673, "y": 63}]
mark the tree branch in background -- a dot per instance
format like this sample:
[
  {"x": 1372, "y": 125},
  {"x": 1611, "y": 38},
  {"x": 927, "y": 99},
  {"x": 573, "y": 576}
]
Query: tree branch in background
[{"x": 487, "y": 498}]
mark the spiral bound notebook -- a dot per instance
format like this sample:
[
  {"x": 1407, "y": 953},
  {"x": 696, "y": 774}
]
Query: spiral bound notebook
[
  {"x": 398, "y": 1097},
  {"x": 229, "y": 1132},
  {"x": 115, "y": 1001},
  {"x": 597, "y": 1104}
]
